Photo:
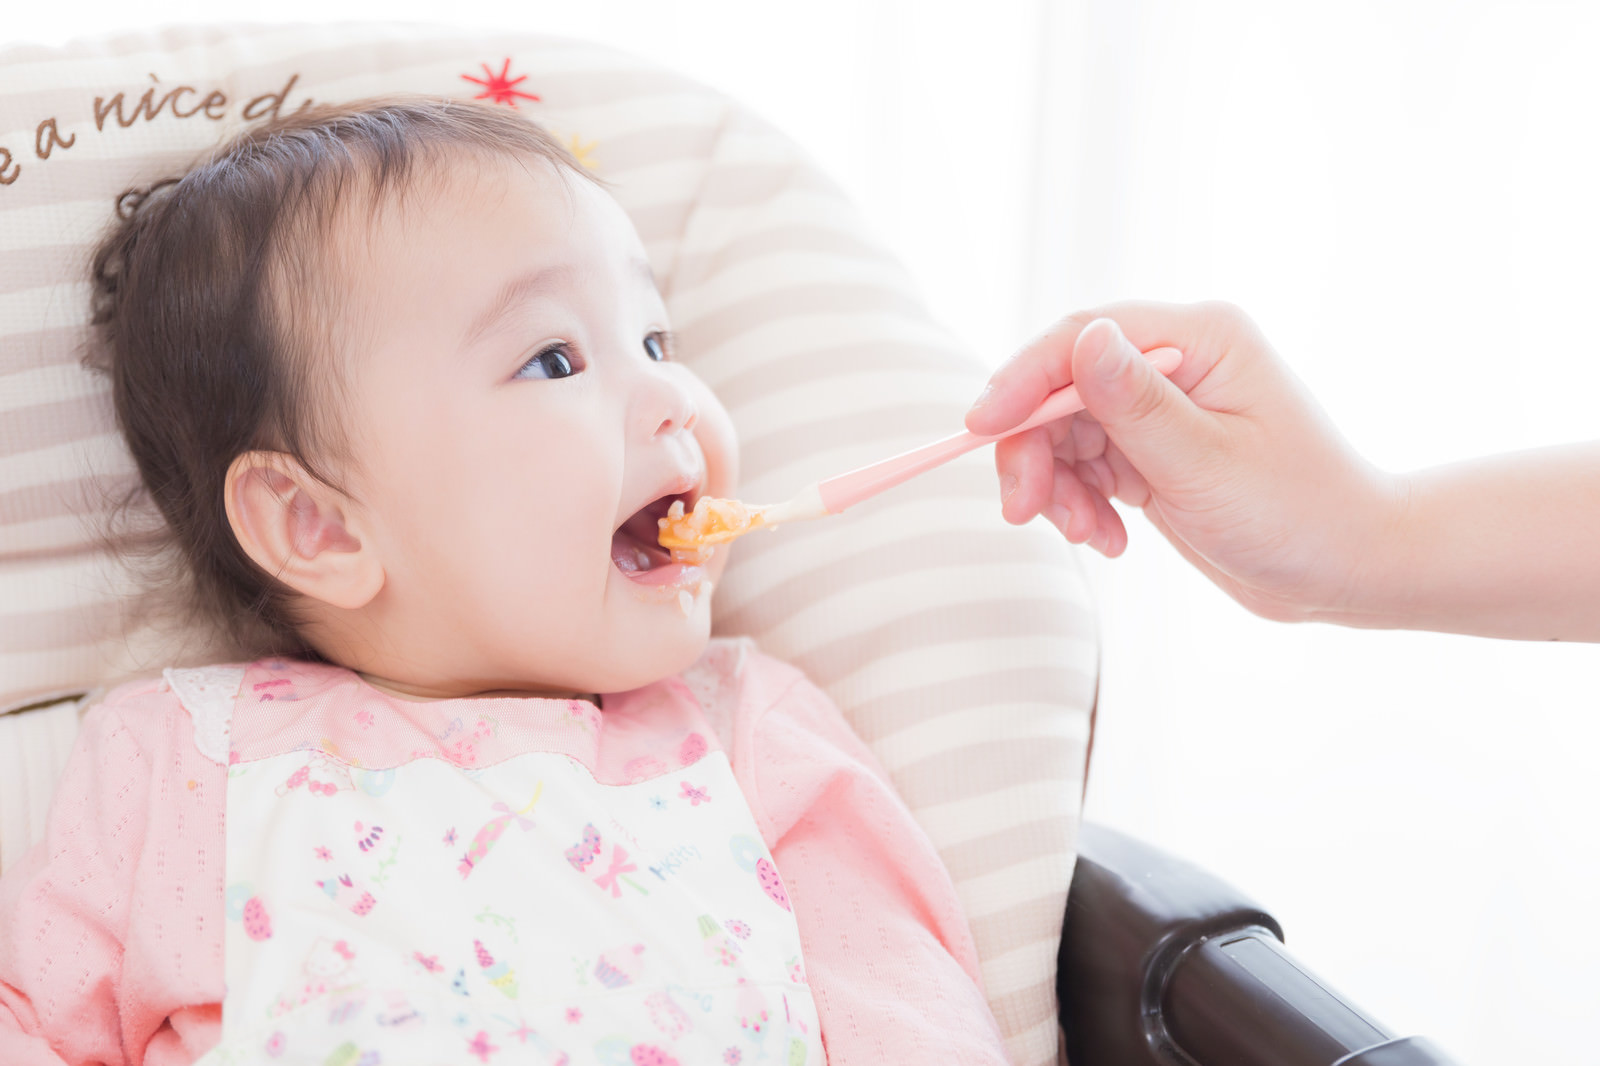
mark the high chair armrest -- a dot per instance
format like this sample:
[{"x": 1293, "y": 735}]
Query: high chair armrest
[{"x": 1163, "y": 964}]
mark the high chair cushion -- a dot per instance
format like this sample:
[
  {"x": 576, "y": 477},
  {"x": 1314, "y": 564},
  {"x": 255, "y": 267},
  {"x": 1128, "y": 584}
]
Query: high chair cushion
[{"x": 961, "y": 649}]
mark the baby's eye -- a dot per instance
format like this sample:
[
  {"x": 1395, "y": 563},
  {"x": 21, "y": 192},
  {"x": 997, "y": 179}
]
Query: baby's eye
[
  {"x": 552, "y": 362},
  {"x": 658, "y": 345}
]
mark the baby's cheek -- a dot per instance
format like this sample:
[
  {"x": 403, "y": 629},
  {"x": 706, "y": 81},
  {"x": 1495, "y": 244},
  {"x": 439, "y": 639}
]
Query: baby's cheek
[
  {"x": 719, "y": 562},
  {"x": 713, "y": 430}
]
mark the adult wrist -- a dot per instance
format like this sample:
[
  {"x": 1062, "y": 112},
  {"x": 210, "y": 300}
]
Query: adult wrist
[{"x": 1375, "y": 555}]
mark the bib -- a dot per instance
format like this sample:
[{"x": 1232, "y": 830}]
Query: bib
[{"x": 519, "y": 912}]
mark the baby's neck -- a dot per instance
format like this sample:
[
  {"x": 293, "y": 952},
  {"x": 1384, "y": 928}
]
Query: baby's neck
[{"x": 420, "y": 695}]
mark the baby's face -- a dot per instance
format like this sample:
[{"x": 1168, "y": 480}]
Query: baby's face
[{"x": 519, "y": 424}]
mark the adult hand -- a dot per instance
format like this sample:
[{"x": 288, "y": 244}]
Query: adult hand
[{"x": 1230, "y": 459}]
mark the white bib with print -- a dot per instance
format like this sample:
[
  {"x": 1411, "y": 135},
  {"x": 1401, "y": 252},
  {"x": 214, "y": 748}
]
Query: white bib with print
[{"x": 518, "y": 913}]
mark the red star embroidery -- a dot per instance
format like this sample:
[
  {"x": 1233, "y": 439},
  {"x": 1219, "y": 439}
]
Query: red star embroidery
[{"x": 501, "y": 87}]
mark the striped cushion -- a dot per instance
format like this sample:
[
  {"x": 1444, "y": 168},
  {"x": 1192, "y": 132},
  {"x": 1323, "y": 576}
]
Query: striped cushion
[{"x": 963, "y": 650}]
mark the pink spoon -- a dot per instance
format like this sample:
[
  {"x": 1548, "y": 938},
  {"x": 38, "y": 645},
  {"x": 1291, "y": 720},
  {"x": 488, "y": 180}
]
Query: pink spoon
[{"x": 836, "y": 493}]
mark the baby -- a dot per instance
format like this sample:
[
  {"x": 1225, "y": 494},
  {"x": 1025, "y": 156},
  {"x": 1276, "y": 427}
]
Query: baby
[{"x": 401, "y": 383}]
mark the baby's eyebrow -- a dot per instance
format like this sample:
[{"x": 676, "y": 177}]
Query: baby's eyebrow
[
  {"x": 642, "y": 268},
  {"x": 522, "y": 287},
  {"x": 511, "y": 294}
]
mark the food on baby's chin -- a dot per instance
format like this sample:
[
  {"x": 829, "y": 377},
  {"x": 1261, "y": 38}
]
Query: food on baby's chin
[
  {"x": 692, "y": 582},
  {"x": 691, "y": 536}
]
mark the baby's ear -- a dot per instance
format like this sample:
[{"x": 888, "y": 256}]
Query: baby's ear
[{"x": 296, "y": 529}]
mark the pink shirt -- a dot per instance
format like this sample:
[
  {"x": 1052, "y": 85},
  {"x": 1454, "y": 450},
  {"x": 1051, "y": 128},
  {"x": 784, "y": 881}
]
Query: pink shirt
[{"x": 111, "y": 928}]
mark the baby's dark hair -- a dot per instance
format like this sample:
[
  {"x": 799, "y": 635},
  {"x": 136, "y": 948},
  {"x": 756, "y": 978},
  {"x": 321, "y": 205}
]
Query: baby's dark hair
[{"x": 209, "y": 356}]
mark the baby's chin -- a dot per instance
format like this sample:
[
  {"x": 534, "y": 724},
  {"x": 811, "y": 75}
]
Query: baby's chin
[{"x": 668, "y": 655}]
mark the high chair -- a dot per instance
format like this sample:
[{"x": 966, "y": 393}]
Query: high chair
[{"x": 961, "y": 649}]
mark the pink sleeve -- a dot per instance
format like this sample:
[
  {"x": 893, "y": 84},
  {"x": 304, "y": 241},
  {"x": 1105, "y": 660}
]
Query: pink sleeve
[
  {"x": 888, "y": 953},
  {"x": 111, "y": 926}
]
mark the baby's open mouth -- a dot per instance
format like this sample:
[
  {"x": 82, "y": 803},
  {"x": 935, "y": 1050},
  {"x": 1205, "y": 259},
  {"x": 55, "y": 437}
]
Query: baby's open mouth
[{"x": 636, "y": 551}]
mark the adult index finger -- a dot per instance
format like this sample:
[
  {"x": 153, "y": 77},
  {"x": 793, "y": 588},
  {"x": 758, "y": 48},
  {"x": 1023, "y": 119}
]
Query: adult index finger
[
  {"x": 1022, "y": 382},
  {"x": 1045, "y": 364}
]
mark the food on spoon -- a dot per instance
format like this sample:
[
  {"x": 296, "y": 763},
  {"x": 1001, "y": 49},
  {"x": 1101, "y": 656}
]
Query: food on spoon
[{"x": 690, "y": 535}]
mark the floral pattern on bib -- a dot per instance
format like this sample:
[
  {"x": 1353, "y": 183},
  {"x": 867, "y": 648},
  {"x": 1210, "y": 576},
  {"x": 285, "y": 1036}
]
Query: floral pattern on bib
[{"x": 516, "y": 913}]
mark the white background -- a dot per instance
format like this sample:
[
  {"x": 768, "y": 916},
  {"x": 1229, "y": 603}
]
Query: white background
[{"x": 1406, "y": 195}]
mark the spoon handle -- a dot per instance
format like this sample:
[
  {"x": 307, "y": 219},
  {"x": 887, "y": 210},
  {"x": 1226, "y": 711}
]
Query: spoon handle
[{"x": 847, "y": 489}]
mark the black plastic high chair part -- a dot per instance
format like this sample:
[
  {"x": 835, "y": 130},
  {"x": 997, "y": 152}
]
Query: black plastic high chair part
[{"x": 1163, "y": 964}]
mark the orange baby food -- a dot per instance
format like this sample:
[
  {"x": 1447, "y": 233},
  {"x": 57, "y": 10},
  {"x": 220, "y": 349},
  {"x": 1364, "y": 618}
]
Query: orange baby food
[{"x": 690, "y": 536}]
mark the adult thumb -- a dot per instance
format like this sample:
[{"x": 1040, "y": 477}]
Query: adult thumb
[{"x": 1152, "y": 421}]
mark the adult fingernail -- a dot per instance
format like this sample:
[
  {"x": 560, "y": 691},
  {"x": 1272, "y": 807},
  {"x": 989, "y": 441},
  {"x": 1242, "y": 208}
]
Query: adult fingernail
[
  {"x": 1109, "y": 363},
  {"x": 1008, "y": 487}
]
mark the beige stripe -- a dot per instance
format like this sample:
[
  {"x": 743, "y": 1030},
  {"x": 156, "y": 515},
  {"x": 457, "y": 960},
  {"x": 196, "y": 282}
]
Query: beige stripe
[
  {"x": 947, "y": 662},
  {"x": 23, "y": 389},
  {"x": 609, "y": 121},
  {"x": 759, "y": 186},
  {"x": 1023, "y": 919},
  {"x": 559, "y": 70},
  {"x": 866, "y": 389},
  {"x": 1071, "y": 687},
  {"x": 49, "y": 265},
  {"x": 987, "y": 767},
  {"x": 951, "y": 725},
  {"x": 30, "y": 229},
  {"x": 660, "y": 222},
  {"x": 636, "y": 162},
  {"x": 100, "y": 180},
  {"x": 835, "y": 444},
  {"x": 790, "y": 200},
  {"x": 919, "y": 553},
  {"x": 103, "y": 455},
  {"x": 47, "y": 425},
  {"x": 993, "y": 619},
  {"x": 783, "y": 270},
  {"x": 32, "y": 349},
  {"x": 944, "y": 502},
  {"x": 78, "y": 582},
  {"x": 834, "y": 362},
  {"x": 668, "y": 192},
  {"x": 584, "y": 93},
  {"x": 1025, "y": 1007},
  {"x": 1040, "y": 1045},
  {"x": 44, "y": 539},
  {"x": 953, "y": 824},
  {"x": 76, "y": 63},
  {"x": 770, "y": 309},
  {"x": 886, "y": 612},
  {"x": 792, "y": 336},
  {"x": 1005, "y": 972},
  {"x": 48, "y": 306},
  {"x": 87, "y": 495},
  {"x": 60, "y": 628},
  {"x": 787, "y": 430},
  {"x": 991, "y": 891},
  {"x": 786, "y": 236},
  {"x": 31, "y": 675},
  {"x": 1027, "y": 922},
  {"x": 900, "y": 666},
  {"x": 1028, "y": 1007}
]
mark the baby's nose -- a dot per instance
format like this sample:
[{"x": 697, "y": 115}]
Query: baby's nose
[{"x": 672, "y": 407}]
